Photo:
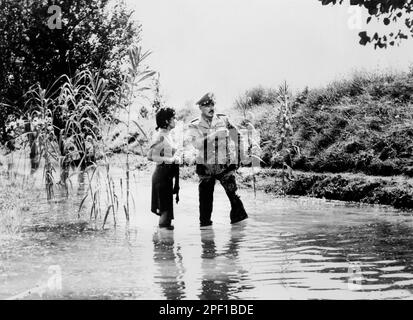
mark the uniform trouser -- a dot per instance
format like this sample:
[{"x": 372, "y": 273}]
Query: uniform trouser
[{"x": 206, "y": 195}]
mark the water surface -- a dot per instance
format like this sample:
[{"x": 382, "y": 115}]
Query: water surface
[{"x": 288, "y": 249}]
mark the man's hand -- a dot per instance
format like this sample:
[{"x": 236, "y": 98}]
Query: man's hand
[
  {"x": 221, "y": 133},
  {"x": 176, "y": 189}
]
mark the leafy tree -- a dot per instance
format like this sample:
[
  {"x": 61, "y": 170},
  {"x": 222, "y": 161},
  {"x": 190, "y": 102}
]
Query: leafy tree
[
  {"x": 93, "y": 36},
  {"x": 388, "y": 12}
]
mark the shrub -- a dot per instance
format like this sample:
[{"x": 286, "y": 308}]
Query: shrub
[{"x": 255, "y": 97}]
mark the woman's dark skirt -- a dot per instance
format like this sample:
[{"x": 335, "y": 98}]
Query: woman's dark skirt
[{"x": 162, "y": 189}]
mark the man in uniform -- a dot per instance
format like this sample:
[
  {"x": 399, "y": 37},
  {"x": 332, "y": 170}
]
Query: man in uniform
[{"x": 211, "y": 135}]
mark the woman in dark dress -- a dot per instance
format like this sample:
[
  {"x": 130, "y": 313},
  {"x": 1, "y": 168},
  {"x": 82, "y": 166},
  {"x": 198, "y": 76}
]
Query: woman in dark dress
[{"x": 163, "y": 152}]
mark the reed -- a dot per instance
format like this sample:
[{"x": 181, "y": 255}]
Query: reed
[
  {"x": 284, "y": 119},
  {"x": 40, "y": 117},
  {"x": 132, "y": 88}
]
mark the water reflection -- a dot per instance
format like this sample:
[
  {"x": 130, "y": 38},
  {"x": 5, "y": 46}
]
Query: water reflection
[
  {"x": 167, "y": 257},
  {"x": 81, "y": 183},
  {"x": 211, "y": 288},
  {"x": 222, "y": 272}
]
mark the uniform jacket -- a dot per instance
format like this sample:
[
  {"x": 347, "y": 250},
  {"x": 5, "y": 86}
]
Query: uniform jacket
[{"x": 224, "y": 149}]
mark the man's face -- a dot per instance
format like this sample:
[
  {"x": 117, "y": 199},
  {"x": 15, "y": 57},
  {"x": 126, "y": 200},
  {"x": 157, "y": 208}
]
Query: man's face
[{"x": 208, "y": 110}]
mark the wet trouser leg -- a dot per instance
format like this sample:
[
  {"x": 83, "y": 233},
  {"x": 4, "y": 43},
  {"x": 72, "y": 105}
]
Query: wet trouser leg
[
  {"x": 238, "y": 212},
  {"x": 206, "y": 197}
]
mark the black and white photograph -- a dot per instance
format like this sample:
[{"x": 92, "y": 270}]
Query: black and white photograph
[{"x": 217, "y": 151}]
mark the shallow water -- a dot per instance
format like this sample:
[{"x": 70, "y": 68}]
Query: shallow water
[{"x": 288, "y": 249}]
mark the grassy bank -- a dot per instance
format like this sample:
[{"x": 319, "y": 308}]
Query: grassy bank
[{"x": 363, "y": 124}]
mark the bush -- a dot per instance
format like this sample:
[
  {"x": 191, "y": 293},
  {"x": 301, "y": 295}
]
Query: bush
[{"x": 255, "y": 97}]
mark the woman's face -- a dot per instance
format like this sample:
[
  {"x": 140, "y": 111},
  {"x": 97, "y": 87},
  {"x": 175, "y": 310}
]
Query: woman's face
[{"x": 172, "y": 123}]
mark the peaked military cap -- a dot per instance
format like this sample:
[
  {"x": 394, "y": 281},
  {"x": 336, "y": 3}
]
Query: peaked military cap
[{"x": 206, "y": 99}]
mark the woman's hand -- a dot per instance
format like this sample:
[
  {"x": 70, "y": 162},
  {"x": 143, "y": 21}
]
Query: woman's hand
[{"x": 173, "y": 159}]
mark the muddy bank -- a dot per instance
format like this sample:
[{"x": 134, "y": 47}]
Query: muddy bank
[{"x": 396, "y": 191}]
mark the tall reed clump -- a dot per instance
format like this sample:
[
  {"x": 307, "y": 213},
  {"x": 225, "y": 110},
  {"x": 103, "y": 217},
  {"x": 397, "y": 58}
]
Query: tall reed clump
[
  {"x": 64, "y": 124},
  {"x": 133, "y": 88},
  {"x": 63, "y": 127},
  {"x": 80, "y": 101}
]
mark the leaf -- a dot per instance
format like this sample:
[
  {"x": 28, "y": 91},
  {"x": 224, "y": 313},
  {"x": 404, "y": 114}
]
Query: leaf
[
  {"x": 140, "y": 128},
  {"x": 364, "y": 38},
  {"x": 81, "y": 204},
  {"x": 106, "y": 215}
]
